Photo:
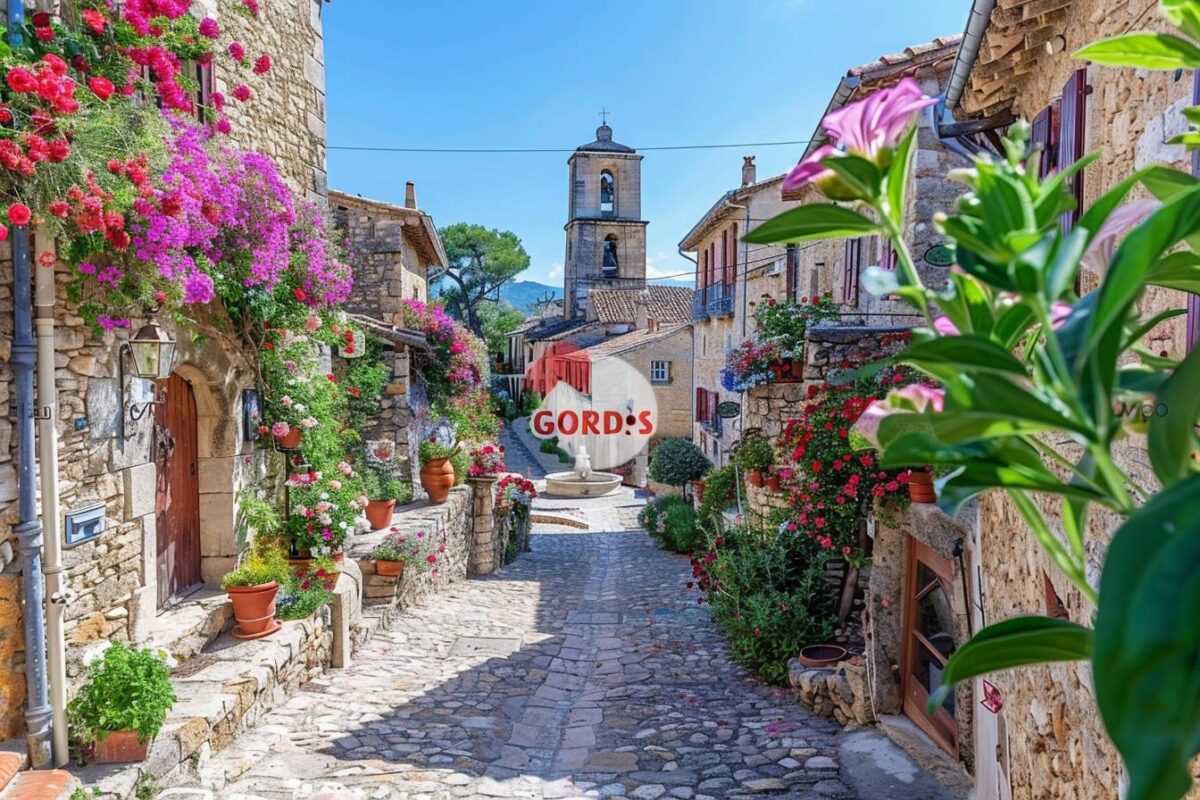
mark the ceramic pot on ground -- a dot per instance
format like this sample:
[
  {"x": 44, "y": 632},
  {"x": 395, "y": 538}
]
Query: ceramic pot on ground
[
  {"x": 291, "y": 441},
  {"x": 120, "y": 747},
  {"x": 379, "y": 513},
  {"x": 389, "y": 569},
  {"x": 821, "y": 655},
  {"x": 253, "y": 607},
  {"x": 754, "y": 477},
  {"x": 437, "y": 478},
  {"x": 920, "y": 487}
]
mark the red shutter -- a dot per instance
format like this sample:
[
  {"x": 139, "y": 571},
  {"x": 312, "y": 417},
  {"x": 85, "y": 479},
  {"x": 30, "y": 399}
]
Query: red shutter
[
  {"x": 731, "y": 259},
  {"x": 1193, "y": 304},
  {"x": 699, "y": 404},
  {"x": 1073, "y": 127}
]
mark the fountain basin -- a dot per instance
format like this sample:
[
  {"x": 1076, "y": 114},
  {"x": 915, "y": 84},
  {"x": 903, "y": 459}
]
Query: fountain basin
[{"x": 568, "y": 484}]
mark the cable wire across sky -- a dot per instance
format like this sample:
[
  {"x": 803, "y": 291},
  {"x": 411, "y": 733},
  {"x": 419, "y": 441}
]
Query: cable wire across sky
[{"x": 499, "y": 150}]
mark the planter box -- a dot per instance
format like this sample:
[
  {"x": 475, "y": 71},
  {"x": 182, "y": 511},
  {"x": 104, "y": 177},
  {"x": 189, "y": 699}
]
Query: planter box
[{"x": 120, "y": 747}]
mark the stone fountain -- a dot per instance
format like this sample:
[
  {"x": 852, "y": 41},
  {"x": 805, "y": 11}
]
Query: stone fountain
[{"x": 582, "y": 481}]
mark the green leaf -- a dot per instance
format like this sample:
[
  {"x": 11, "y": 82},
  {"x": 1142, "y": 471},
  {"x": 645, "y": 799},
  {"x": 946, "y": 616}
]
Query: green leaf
[
  {"x": 1172, "y": 437},
  {"x": 1135, "y": 335},
  {"x": 1145, "y": 50},
  {"x": 1191, "y": 138},
  {"x": 1146, "y": 663},
  {"x": 1164, "y": 182},
  {"x": 898, "y": 177},
  {"x": 1183, "y": 14},
  {"x": 1012, "y": 324},
  {"x": 948, "y": 356},
  {"x": 812, "y": 221},
  {"x": 1178, "y": 218},
  {"x": 1176, "y": 271},
  {"x": 1015, "y": 642},
  {"x": 861, "y": 176}
]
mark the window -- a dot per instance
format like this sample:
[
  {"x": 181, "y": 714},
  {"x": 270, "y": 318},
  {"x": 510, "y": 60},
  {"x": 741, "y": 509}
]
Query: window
[
  {"x": 608, "y": 194},
  {"x": 792, "y": 262},
  {"x": 660, "y": 371},
  {"x": 1059, "y": 132},
  {"x": 850, "y": 270},
  {"x": 610, "y": 255}
]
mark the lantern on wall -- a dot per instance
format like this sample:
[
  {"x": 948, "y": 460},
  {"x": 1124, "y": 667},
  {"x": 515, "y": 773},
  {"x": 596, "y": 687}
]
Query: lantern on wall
[{"x": 153, "y": 353}]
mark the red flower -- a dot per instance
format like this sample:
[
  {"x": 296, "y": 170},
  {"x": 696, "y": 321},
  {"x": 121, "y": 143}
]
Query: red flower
[
  {"x": 101, "y": 87},
  {"x": 241, "y": 92},
  {"x": 331, "y": 377},
  {"x": 60, "y": 208},
  {"x": 237, "y": 51},
  {"x": 355, "y": 391},
  {"x": 431, "y": 558},
  {"x": 94, "y": 20},
  {"x": 21, "y": 80},
  {"x": 208, "y": 28},
  {"x": 300, "y": 294},
  {"x": 44, "y": 34},
  {"x": 19, "y": 214},
  {"x": 59, "y": 151},
  {"x": 263, "y": 65}
]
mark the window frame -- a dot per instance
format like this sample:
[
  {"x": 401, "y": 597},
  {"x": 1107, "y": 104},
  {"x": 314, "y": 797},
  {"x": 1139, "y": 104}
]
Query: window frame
[{"x": 655, "y": 366}]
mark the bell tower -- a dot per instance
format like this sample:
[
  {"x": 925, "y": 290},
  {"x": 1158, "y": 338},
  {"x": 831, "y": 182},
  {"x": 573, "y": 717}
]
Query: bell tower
[{"x": 606, "y": 237}]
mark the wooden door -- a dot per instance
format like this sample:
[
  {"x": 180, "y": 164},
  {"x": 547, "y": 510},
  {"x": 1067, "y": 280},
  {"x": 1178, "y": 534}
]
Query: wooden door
[
  {"x": 177, "y": 504},
  {"x": 928, "y": 641}
]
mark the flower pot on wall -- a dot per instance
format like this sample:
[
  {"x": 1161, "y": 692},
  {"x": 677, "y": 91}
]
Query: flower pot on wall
[
  {"x": 291, "y": 440},
  {"x": 119, "y": 747},
  {"x": 437, "y": 478},
  {"x": 754, "y": 477},
  {"x": 379, "y": 513},
  {"x": 774, "y": 483},
  {"x": 389, "y": 569},
  {"x": 821, "y": 655},
  {"x": 254, "y": 609},
  {"x": 920, "y": 487}
]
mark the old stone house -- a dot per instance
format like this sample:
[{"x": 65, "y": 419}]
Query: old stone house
[{"x": 147, "y": 493}]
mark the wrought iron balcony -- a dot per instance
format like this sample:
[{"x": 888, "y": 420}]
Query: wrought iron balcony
[{"x": 713, "y": 302}]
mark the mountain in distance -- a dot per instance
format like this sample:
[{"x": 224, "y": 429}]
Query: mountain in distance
[{"x": 525, "y": 294}]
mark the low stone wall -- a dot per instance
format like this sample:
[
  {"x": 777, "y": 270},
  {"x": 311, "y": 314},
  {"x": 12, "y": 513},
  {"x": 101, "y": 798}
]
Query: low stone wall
[
  {"x": 828, "y": 348},
  {"x": 840, "y": 692}
]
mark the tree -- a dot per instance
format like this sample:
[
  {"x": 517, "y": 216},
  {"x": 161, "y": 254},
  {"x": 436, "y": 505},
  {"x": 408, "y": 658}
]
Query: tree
[
  {"x": 498, "y": 319},
  {"x": 479, "y": 261}
]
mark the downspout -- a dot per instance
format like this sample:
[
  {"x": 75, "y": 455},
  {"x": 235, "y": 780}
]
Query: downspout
[
  {"x": 695, "y": 379},
  {"x": 29, "y": 528},
  {"x": 48, "y": 456},
  {"x": 968, "y": 51}
]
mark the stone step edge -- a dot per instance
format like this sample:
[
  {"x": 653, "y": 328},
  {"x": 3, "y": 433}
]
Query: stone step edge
[
  {"x": 187, "y": 739},
  {"x": 550, "y": 518},
  {"x": 49, "y": 784}
]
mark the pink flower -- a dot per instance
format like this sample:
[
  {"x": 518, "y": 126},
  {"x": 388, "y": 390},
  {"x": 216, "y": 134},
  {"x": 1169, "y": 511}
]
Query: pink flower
[
  {"x": 241, "y": 93},
  {"x": 809, "y": 169},
  {"x": 237, "y": 51},
  {"x": 309, "y": 422},
  {"x": 1103, "y": 246},
  {"x": 335, "y": 485},
  {"x": 286, "y": 401},
  {"x": 1058, "y": 315},
  {"x": 281, "y": 429},
  {"x": 208, "y": 28},
  {"x": 262, "y": 65}
]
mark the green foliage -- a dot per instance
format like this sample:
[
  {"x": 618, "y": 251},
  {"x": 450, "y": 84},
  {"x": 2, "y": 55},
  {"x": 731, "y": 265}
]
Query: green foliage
[
  {"x": 672, "y": 520},
  {"x": 754, "y": 451},
  {"x": 260, "y": 565},
  {"x": 549, "y": 446},
  {"x": 461, "y": 461},
  {"x": 813, "y": 221},
  {"x": 678, "y": 461},
  {"x": 498, "y": 319},
  {"x": 529, "y": 403},
  {"x": 432, "y": 451},
  {"x": 365, "y": 379},
  {"x": 769, "y": 595},
  {"x": 479, "y": 261},
  {"x": 302, "y": 602},
  {"x": 722, "y": 488},
  {"x": 413, "y": 549},
  {"x": 125, "y": 690}
]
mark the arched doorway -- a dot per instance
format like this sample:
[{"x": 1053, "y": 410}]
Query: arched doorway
[{"x": 177, "y": 503}]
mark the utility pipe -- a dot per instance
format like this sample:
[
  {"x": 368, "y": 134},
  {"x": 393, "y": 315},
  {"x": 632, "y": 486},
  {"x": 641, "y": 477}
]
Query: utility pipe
[
  {"x": 52, "y": 567},
  {"x": 28, "y": 528},
  {"x": 968, "y": 50}
]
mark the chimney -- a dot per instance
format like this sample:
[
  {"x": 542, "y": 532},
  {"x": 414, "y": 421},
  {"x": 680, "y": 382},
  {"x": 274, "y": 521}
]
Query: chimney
[
  {"x": 651, "y": 326},
  {"x": 749, "y": 172},
  {"x": 643, "y": 311},
  {"x": 410, "y": 195}
]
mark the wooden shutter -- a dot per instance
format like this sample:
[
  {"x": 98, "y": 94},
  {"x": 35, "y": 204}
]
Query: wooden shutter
[
  {"x": 1041, "y": 140},
  {"x": 792, "y": 259},
  {"x": 1193, "y": 303},
  {"x": 850, "y": 271},
  {"x": 1072, "y": 129},
  {"x": 699, "y": 404},
  {"x": 702, "y": 271},
  {"x": 731, "y": 256}
]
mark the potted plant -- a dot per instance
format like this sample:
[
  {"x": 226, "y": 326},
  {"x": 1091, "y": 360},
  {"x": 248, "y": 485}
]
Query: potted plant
[
  {"x": 821, "y": 655},
  {"x": 487, "y": 461},
  {"x": 920, "y": 486},
  {"x": 514, "y": 495},
  {"x": 437, "y": 471},
  {"x": 252, "y": 588},
  {"x": 384, "y": 492},
  {"x": 122, "y": 705},
  {"x": 754, "y": 455},
  {"x": 774, "y": 482},
  {"x": 287, "y": 437},
  {"x": 399, "y": 550}
]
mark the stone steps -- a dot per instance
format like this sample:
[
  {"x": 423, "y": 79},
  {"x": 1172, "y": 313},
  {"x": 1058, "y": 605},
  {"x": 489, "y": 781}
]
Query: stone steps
[{"x": 48, "y": 784}]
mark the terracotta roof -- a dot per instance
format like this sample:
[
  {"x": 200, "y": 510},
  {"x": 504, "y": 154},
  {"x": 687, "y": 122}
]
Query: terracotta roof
[
  {"x": 562, "y": 329},
  {"x": 888, "y": 70},
  {"x": 623, "y": 343},
  {"x": 418, "y": 225},
  {"x": 667, "y": 304},
  {"x": 1015, "y": 39}
]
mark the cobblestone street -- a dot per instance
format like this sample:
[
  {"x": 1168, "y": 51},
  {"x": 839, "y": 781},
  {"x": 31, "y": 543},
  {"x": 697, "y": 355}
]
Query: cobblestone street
[{"x": 584, "y": 669}]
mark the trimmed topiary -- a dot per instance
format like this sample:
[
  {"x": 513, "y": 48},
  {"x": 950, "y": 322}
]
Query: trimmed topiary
[{"x": 677, "y": 462}]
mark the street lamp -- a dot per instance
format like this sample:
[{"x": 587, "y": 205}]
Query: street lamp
[{"x": 152, "y": 352}]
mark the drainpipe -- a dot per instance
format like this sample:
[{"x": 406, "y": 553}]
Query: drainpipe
[
  {"x": 968, "y": 50},
  {"x": 29, "y": 528},
  {"x": 48, "y": 456}
]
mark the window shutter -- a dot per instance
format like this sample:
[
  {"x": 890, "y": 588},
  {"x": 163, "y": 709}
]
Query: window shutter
[
  {"x": 731, "y": 259},
  {"x": 1040, "y": 138},
  {"x": 1193, "y": 305},
  {"x": 702, "y": 271},
  {"x": 850, "y": 271},
  {"x": 792, "y": 259},
  {"x": 1073, "y": 127}
]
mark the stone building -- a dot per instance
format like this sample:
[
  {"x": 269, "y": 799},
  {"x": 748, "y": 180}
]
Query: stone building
[
  {"x": 606, "y": 236},
  {"x": 162, "y": 485}
]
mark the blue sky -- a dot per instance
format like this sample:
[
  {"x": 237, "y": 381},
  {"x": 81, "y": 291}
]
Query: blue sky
[{"x": 535, "y": 75}]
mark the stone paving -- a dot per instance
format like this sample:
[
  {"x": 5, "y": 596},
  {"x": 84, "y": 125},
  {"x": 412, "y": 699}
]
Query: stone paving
[{"x": 583, "y": 669}]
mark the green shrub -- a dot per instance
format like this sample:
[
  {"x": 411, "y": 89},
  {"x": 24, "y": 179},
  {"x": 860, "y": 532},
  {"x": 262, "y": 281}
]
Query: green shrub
[
  {"x": 769, "y": 595},
  {"x": 432, "y": 451},
  {"x": 677, "y": 462},
  {"x": 549, "y": 446},
  {"x": 721, "y": 491},
  {"x": 563, "y": 456},
  {"x": 754, "y": 452},
  {"x": 126, "y": 690},
  {"x": 259, "y": 566},
  {"x": 529, "y": 403},
  {"x": 672, "y": 521},
  {"x": 301, "y": 603},
  {"x": 461, "y": 461}
]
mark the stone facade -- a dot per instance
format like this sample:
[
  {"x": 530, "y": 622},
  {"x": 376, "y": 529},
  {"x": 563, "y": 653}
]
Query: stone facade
[{"x": 113, "y": 577}]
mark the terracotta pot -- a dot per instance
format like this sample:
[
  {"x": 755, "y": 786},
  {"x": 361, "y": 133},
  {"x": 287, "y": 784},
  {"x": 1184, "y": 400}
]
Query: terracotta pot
[
  {"x": 920, "y": 487},
  {"x": 699, "y": 487},
  {"x": 389, "y": 569},
  {"x": 379, "y": 513},
  {"x": 788, "y": 371},
  {"x": 120, "y": 747},
  {"x": 821, "y": 655},
  {"x": 774, "y": 484},
  {"x": 253, "y": 606},
  {"x": 754, "y": 477},
  {"x": 437, "y": 478},
  {"x": 291, "y": 441},
  {"x": 304, "y": 566}
]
